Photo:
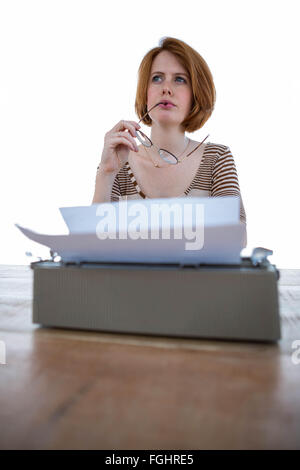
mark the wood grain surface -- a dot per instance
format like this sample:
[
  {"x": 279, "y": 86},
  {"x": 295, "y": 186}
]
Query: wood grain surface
[{"x": 64, "y": 389}]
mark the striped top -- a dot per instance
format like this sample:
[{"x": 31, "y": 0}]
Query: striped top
[{"x": 216, "y": 176}]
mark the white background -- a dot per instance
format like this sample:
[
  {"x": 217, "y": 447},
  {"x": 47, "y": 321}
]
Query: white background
[{"x": 69, "y": 73}]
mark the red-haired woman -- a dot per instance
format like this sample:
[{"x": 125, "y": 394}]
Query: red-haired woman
[{"x": 175, "y": 94}]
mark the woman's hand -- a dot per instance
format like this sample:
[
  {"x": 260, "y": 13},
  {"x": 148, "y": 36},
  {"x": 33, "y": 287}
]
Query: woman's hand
[{"x": 117, "y": 144}]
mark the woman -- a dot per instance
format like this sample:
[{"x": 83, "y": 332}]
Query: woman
[{"x": 175, "y": 73}]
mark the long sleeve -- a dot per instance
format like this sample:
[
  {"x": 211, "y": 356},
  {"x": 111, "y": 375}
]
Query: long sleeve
[
  {"x": 116, "y": 191},
  {"x": 225, "y": 183}
]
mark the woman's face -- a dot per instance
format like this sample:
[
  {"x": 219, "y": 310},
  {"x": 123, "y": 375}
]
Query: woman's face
[{"x": 169, "y": 81}]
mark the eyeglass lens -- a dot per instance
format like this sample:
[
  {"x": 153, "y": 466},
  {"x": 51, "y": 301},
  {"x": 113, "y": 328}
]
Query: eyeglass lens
[{"x": 166, "y": 156}]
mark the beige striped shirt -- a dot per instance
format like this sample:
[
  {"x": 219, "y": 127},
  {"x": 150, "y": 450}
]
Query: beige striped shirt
[{"x": 216, "y": 176}]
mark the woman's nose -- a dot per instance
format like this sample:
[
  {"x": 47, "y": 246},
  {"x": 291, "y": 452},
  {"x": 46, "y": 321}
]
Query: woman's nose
[{"x": 167, "y": 89}]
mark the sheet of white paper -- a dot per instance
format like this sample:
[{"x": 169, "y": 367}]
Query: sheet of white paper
[
  {"x": 217, "y": 211},
  {"x": 222, "y": 242}
]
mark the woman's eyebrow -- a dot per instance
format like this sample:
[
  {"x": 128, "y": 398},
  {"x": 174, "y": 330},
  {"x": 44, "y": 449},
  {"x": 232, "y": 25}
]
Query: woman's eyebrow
[{"x": 177, "y": 73}]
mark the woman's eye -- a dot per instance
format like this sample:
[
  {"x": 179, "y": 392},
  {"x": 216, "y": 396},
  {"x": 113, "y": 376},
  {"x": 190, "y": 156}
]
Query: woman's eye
[
  {"x": 181, "y": 78},
  {"x": 158, "y": 76}
]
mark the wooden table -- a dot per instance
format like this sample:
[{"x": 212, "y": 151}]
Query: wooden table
[{"x": 62, "y": 389}]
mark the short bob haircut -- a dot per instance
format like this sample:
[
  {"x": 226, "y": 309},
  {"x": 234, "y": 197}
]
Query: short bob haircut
[{"x": 203, "y": 89}]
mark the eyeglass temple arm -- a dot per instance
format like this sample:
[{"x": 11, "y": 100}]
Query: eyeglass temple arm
[{"x": 148, "y": 112}]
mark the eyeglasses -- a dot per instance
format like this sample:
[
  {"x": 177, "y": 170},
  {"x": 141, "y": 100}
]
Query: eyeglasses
[{"x": 164, "y": 154}]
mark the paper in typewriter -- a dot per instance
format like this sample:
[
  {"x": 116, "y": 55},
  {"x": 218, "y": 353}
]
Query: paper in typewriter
[{"x": 166, "y": 230}]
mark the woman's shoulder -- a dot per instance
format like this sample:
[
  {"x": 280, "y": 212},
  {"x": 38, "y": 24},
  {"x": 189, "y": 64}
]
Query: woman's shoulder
[
  {"x": 212, "y": 151},
  {"x": 212, "y": 147},
  {"x": 216, "y": 148}
]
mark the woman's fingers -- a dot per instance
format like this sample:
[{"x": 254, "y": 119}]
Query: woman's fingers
[
  {"x": 119, "y": 139},
  {"x": 131, "y": 126},
  {"x": 127, "y": 136}
]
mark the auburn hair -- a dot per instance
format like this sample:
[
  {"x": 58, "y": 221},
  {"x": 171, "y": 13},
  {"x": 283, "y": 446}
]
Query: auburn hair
[{"x": 203, "y": 88}]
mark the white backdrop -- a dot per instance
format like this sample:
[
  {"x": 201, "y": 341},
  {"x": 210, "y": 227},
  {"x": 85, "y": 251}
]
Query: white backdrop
[{"x": 69, "y": 73}]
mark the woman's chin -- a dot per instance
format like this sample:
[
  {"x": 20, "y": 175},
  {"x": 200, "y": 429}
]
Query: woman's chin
[
  {"x": 166, "y": 118},
  {"x": 167, "y": 122}
]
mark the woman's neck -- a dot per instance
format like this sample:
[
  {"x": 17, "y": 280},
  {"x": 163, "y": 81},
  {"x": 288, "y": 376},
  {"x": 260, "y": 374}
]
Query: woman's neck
[{"x": 169, "y": 139}]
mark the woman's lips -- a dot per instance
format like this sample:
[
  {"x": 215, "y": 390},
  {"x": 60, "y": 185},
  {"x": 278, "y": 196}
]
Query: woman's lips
[{"x": 166, "y": 106}]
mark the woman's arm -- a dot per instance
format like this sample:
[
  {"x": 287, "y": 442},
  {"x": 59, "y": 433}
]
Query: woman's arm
[
  {"x": 225, "y": 183},
  {"x": 103, "y": 185}
]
